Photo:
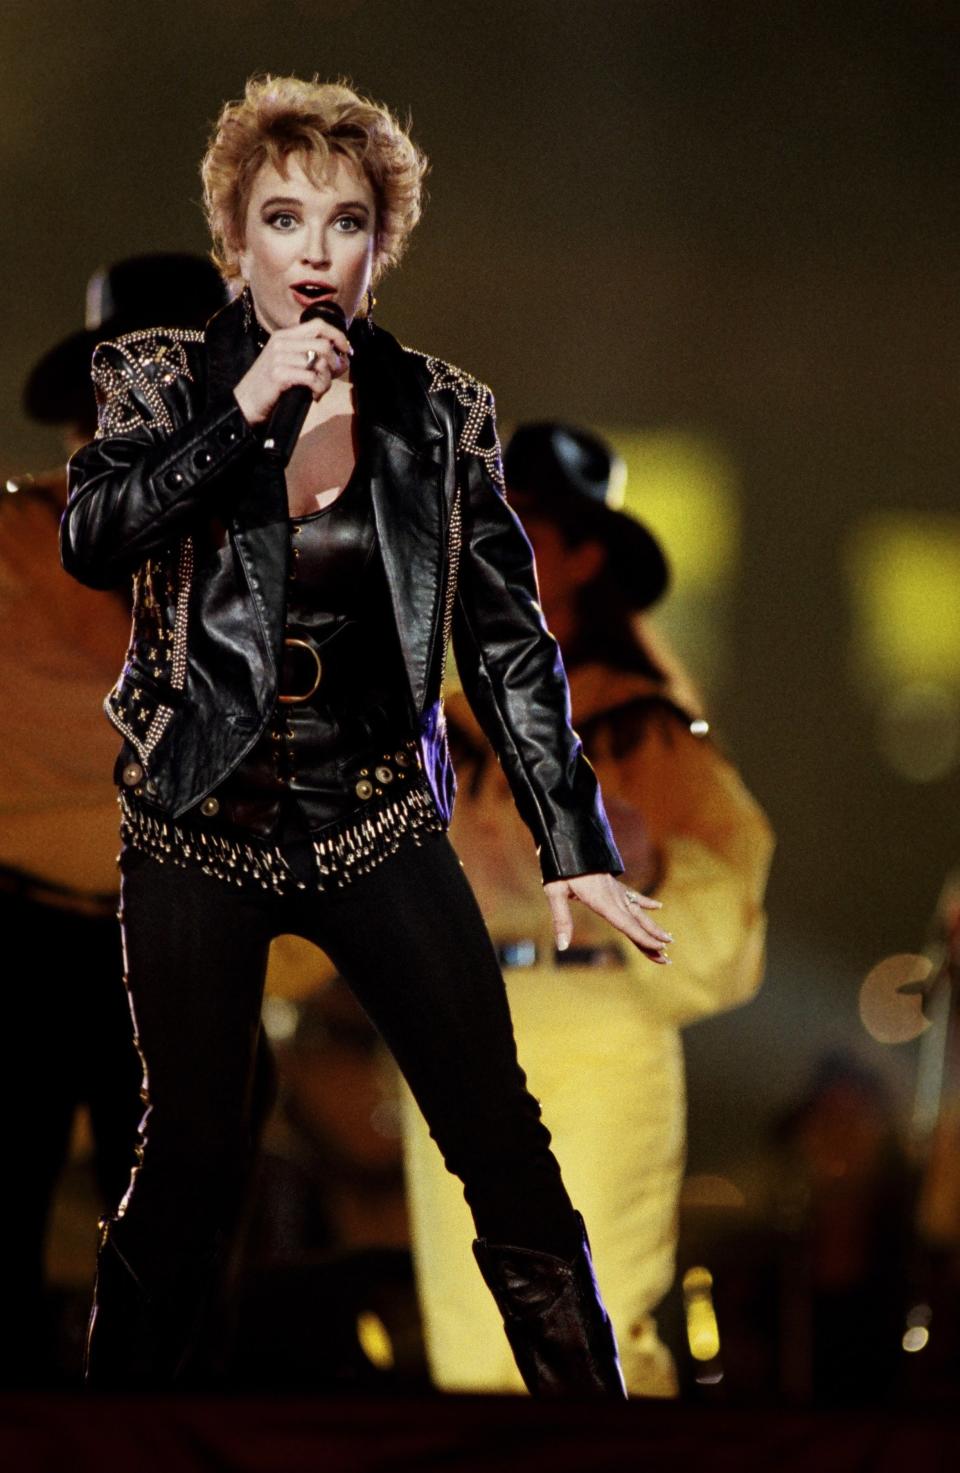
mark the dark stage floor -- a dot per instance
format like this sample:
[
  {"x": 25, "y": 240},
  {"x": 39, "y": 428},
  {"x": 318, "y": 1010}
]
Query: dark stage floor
[{"x": 167, "y": 1435}]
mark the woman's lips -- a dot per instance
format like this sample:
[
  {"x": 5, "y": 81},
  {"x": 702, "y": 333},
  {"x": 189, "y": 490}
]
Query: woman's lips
[{"x": 307, "y": 292}]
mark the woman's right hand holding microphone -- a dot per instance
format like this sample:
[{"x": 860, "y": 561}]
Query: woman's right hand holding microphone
[{"x": 311, "y": 353}]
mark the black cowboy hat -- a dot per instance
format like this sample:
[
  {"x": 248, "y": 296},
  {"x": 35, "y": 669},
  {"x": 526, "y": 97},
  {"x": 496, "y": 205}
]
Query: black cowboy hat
[
  {"x": 175, "y": 290},
  {"x": 575, "y": 478}
]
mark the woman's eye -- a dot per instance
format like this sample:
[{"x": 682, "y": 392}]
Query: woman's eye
[
  {"x": 282, "y": 219},
  {"x": 348, "y": 224}
]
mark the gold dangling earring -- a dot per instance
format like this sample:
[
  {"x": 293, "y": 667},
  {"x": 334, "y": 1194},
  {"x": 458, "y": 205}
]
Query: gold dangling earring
[
  {"x": 246, "y": 308},
  {"x": 251, "y": 323}
]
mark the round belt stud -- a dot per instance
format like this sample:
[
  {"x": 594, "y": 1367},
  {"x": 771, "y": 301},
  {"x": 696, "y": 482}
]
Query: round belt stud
[
  {"x": 364, "y": 788},
  {"x": 210, "y": 807},
  {"x": 132, "y": 774},
  {"x": 401, "y": 758},
  {"x": 383, "y": 774}
]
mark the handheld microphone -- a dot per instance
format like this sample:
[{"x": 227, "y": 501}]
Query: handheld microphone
[{"x": 290, "y": 410}]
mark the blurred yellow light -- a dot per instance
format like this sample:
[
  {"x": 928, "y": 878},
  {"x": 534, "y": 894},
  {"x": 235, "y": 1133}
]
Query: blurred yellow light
[
  {"x": 918, "y": 730},
  {"x": 889, "y": 1015},
  {"x": 280, "y": 1018},
  {"x": 703, "y": 1333},
  {"x": 915, "y": 1338},
  {"x": 375, "y": 1340},
  {"x": 683, "y": 488},
  {"x": 904, "y": 572}
]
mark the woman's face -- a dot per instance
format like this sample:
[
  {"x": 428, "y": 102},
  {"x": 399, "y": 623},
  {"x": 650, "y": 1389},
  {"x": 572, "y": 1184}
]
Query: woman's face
[{"x": 305, "y": 243}]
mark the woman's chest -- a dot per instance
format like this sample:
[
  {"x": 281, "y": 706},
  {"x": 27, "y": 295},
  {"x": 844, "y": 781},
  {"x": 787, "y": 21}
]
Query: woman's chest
[{"x": 324, "y": 457}]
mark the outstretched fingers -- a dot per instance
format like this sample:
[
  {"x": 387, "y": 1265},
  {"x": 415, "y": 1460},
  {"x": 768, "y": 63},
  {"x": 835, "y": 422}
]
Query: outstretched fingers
[
  {"x": 624, "y": 908},
  {"x": 632, "y": 918}
]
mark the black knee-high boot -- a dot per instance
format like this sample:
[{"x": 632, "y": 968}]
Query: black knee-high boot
[
  {"x": 159, "y": 1279},
  {"x": 556, "y": 1323},
  {"x": 144, "y": 1327}
]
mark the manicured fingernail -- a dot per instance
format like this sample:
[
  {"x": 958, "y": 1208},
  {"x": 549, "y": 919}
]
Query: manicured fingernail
[{"x": 563, "y": 942}]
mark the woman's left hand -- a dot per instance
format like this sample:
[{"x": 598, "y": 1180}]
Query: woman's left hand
[{"x": 623, "y": 908}]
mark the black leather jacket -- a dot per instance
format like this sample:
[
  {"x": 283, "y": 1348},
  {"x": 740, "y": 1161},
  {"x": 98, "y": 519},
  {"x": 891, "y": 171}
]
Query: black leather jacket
[{"x": 177, "y": 492}]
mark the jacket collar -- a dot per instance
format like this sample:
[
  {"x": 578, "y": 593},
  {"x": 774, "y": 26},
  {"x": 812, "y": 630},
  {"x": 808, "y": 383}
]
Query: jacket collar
[
  {"x": 391, "y": 397},
  {"x": 230, "y": 350},
  {"x": 393, "y": 400}
]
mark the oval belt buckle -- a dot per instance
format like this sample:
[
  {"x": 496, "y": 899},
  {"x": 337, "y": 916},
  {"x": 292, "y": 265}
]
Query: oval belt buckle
[{"x": 302, "y": 644}]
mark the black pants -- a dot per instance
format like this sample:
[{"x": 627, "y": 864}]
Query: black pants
[{"x": 409, "y": 939}]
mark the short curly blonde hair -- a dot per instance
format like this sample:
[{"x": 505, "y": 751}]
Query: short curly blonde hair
[{"x": 282, "y": 116}]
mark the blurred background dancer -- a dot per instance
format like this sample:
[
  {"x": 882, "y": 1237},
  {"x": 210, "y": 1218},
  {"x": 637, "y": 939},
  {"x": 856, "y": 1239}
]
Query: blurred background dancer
[{"x": 599, "y": 1038}]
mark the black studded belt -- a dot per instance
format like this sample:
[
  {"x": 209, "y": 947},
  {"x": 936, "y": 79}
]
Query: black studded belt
[
  {"x": 301, "y": 672},
  {"x": 371, "y": 777}
]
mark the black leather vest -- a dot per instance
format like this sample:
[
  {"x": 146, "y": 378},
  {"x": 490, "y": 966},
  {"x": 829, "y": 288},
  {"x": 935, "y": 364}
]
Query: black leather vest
[{"x": 341, "y": 705}]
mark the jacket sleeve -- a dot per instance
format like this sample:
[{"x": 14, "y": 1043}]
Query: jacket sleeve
[
  {"x": 511, "y": 669},
  {"x": 155, "y": 460}
]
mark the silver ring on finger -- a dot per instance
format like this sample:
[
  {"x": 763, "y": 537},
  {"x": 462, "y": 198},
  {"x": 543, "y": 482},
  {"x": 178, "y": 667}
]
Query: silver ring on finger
[
  {"x": 311, "y": 356},
  {"x": 632, "y": 897}
]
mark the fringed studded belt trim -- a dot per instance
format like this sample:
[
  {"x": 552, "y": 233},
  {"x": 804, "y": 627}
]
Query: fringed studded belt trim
[{"x": 358, "y": 843}]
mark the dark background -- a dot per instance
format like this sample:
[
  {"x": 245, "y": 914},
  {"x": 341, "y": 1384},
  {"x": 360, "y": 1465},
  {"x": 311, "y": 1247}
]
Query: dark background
[{"x": 734, "y": 218}]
